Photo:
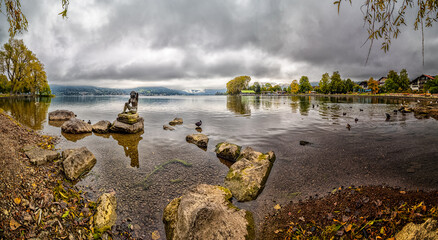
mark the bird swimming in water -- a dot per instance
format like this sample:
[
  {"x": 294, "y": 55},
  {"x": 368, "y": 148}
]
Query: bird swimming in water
[
  {"x": 356, "y": 119},
  {"x": 344, "y": 113},
  {"x": 388, "y": 116},
  {"x": 348, "y": 127},
  {"x": 198, "y": 124},
  {"x": 89, "y": 122},
  {"x": 361, "y": 110}
]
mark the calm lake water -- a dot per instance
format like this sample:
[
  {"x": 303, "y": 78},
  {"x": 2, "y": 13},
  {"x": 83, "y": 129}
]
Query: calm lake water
[{"x": 401, "y": 152}]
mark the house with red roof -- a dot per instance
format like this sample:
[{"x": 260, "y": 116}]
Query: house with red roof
[{"x": 418, "y": 83}]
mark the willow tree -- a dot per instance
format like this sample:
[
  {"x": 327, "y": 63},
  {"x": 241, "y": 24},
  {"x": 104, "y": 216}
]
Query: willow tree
[
  {"x": 237, "y": 84},
  {"x": 385, "y": 18},
  {"x": 24, "y": 72}
]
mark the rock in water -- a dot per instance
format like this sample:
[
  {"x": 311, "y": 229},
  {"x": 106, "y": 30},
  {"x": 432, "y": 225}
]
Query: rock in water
[
  {"x": 426, "y": 231},
  {"x": 247, "y": 177},
  {"x": 101, "y": 126},
  {"x": 205, "y": 212},
  {"x": 61, "y": 115},
  {"x": 199, "y": 139},
  {"x": 166, "y": 127},
  {"x": 128, "y": 118},
  {"x": 77, "y": 161},
  {"x": 40, "y": 156},
  {"x": 106, "y": 215},
  {"x": 176, "y": 121},
  {"x": 121, "y": 127},
  {"x": 75, "y": 126},
  {"x": 228, "y": 151}
]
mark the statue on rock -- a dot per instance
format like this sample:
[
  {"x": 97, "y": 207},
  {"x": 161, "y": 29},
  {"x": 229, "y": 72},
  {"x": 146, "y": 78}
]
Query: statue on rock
[{"x": 131, "y": 105}]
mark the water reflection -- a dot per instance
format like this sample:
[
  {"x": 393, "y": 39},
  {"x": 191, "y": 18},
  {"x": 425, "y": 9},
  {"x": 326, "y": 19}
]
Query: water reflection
[
  {"x": 31, "y": 112},
  {"x": 129, "y": 142},
  {"x": 239, "y": 105},
  {"x": 75, "y": 137}
]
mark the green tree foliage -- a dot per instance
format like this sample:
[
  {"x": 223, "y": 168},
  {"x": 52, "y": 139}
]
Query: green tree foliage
[
  {"x": 432, "y": 85},
  {"x": 336, "y": 85},
  {"x": 238, "y": 84},
  {"x": 404, "y": 80},
  {"x": 348, "y": 85},
  {"x": 373, "y": 85},
  {"x": 384, "y": 19},
  {"x": 4, "y": 84},
  {"x": 305, "y": 85},
  {"x": 257, "y": 88},
  {"x": 15, "y": 17},
  {"x": 294, "y": 86},
  {"x": 24, "y": 72},
  {"x": 324, "y": 84},
  {"x": 397, "y": 83}
]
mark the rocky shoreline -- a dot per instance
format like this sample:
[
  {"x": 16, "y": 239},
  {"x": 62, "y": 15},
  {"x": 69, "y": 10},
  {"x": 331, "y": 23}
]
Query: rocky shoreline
[{"x": 36, "y": 199}]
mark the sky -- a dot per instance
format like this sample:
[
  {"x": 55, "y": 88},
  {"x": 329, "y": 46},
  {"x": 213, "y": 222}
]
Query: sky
[{"x": 197, "y": 44}]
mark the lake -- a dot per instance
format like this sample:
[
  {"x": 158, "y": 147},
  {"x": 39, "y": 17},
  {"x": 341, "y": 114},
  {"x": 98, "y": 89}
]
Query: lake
[{"x": 400, "y": 152}]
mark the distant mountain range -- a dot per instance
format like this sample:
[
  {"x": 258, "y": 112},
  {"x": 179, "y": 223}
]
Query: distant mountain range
[{"x": 143, "y": 91}]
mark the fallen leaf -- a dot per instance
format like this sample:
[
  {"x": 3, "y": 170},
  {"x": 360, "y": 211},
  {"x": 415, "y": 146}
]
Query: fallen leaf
[
  {"x": 403, "y": 192},
  {"x": 17, "y": 200},
  {"x": 277, "y": 207},
  {"x": 14, "y": 224},
  {"x": 348, "y": 228},
  {"x": 155, "y": 235}
]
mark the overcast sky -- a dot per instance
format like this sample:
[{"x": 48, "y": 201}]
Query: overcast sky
[{"x": 196, "y": 44}]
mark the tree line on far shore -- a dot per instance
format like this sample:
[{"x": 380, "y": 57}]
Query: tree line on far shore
[
  {"x": 21, "y": 72},
  {"x": 334, "y": 84}
]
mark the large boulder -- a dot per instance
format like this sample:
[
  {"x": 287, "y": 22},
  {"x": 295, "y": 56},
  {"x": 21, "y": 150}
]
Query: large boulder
[
  {"x": 61, "y": 115},
  {"x": 247, "y": 176},
  {"x": 426, "y": 231},
  {"x": 120, "y": 127},
  {"x": 106, "y": 215},
  {"x": 200, "y": 140},
  {"x": 128, "y": 118},
  {"x": 228, "y": 151},
  {"x": 39, "y": 156},
  {"x": 77, "y": 161},
  {"x": 176, "y": 121},
  {"x": 101, "y": 126},
  {"x": 76, "y": 126},
  {"x": 205, "y": 212}
]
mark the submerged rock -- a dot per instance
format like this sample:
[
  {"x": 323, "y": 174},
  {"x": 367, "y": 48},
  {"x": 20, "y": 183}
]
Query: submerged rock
[
  {"x": 61, "y": 115},
  {"x": 426, "y": 231},
  {"x": 228, "y": 151},
  {"x": 101, "y": 126},
  {"x": 247, "y": 177},
  {"x": 200, "y": 140},
  {"x": 166, "y": 127},
  {"x": 176, "y": 121},
  {"x": 77, "y": 161},
  {"x": 106, "y": 215},
  {"x": 75, "y": 126},
  {"x": 205, "y": 212},
  {"x": 41, "y": 156},
  {"x": 120, "y": 127}
]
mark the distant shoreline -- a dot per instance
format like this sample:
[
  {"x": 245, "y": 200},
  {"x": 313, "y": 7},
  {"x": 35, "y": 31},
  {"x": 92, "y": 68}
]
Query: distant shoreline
[{"x": 394, "y": 96}]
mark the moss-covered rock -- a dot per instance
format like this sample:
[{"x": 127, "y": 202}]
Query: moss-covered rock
[
  {"x": 205, "y": 212},
  {"x": 228, "y": 151},
  {"x": 247, "y": 177},
  {"x": 120, "y": 127},
  {"x": 106, "y": 215},
  {"x": 128, "y": 118},
  {"x": 426, "y": 231},
  {"x": 201, "y": 140},
  {"x": 77, "y": 161},
  {"x": 40, "y": 156},
  {"x": 176, "y": 121}
]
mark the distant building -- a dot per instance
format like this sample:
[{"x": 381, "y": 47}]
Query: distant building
[
  {"x": 364, "y": 84},
  {"x": 418, "y": 83},
  {"x": 381, "y": 81}
]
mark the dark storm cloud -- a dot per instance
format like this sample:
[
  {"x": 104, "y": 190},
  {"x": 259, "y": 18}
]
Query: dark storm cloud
[{"x": 182, "y": 41}]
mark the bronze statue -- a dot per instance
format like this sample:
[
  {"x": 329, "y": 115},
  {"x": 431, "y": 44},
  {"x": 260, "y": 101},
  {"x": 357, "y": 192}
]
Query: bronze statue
[{"x": 131, "y": 105}]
